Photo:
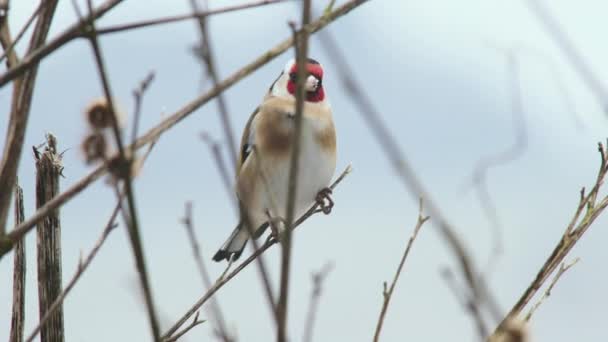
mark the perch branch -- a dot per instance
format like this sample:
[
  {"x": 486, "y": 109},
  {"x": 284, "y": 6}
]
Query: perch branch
[{"x": 223, "y": 280}]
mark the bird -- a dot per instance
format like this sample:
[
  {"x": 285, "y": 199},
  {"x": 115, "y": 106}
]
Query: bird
[{"x": 265, "y": 155}]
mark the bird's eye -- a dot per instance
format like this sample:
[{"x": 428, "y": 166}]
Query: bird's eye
[{"x": 293, "y": 77}]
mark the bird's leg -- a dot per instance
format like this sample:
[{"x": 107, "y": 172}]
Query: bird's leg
[
  {"x": 324, "y": 200},
  {"x": 277, "y": 226}
]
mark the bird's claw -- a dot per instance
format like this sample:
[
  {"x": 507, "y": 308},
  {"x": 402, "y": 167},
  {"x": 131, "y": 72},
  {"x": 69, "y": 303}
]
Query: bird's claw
[{"x": 324, "y": 200}]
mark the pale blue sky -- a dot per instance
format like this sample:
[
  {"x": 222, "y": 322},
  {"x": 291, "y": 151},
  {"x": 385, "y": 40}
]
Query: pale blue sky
[{"x": 432, "y": 69}]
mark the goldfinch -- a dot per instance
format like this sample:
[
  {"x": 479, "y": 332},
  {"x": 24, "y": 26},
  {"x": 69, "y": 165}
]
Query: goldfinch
[{"x": 265, "y": 155}]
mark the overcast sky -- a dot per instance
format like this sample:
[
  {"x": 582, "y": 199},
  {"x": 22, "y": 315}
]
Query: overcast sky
[{"x": 438, "y": 73}]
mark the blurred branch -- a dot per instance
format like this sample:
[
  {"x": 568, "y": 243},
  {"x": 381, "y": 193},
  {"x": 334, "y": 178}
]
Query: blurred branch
[
  {"x": 467, "y": 300},
  {"x": 153, "y": 134},
  {"x": 387, "y": 293},
  {"x": 568, "y": 47},
  {"x": 592, "y": 208},
  {"x": 562, "y": 269},
  {"x": 177, "y": 18},
  {"x": 9, "y": 45},
  {"x": 511, "y": 153},
  {"x": 214, "y": 146},
  {"x": 19, "y": 268},
  {"x": 223, "y": 280},
  {"x": 123, "y": 173},
  {"x": 35, "y": 54},
  {"x": 78, "y": 30},
  {"x": 301, "y": 51},
  {"x": 222, "y": 331},
  {"x": 205, "y": 53},
  {"x": 407, "y": 175},
  {"x": 315, "y": 297}
]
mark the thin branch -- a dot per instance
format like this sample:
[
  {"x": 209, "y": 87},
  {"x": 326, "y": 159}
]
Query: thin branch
[
  {"x": 592, "y": 208},
  {"x": 6, "y": 242},
  {"x": 82, "y": 266},
  {"x": 562, "y": 269},
  {"x": 387, "y": 293},
  {"x": 223, "y": 280},
  {"x": 178, "y": 18},
  {"x": 301, "y": 51},
  {"x": 222, "y": 331},
  {"x": 181, "y": 333},
  {"x": 315, "y": 297}
]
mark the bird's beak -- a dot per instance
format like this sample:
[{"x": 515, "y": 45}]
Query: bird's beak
[{"x": 312, "y": 83}]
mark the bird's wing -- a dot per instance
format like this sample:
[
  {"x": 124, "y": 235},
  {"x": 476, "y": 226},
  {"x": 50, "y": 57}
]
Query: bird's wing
[{"x": 248, "y": 138}]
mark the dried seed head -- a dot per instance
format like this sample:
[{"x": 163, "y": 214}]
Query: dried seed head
[
  {"x": 94, "y": 147},
  {"x": 99, "y": 115}
]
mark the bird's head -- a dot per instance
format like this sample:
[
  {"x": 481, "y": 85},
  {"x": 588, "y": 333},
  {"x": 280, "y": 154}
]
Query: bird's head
[{"x": 285, "y": 85}]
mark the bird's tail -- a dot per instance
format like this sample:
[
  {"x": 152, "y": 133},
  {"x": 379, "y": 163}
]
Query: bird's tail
[{"x": 233, "y": 247}]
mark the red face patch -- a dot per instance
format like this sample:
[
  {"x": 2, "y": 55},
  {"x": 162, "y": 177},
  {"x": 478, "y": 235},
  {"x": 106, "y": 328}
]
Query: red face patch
[{"x": 313, "y": 69}]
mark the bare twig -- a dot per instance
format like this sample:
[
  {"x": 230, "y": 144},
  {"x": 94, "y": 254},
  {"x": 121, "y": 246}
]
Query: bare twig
[
  {"x": 181, "y": 333},
  {"x": 82, "y": 266},
  {"x": 48, "y": 242},
  {"x": 138, "y": 95},
  {"x": 387, "y": 293},
  {"x": 573, "y": 54},
  {"x": 577, "y": 227},
  {"x": 315, "y": 296},
  {"x": 562, "y": 269},
  {"x": 223, "y": 280},
  {"x": 18, "y": 317},
  {"x": 222, "y": 331},
  {"x": 6, "y": 242},
  {"x": 301, "y": 51}
]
